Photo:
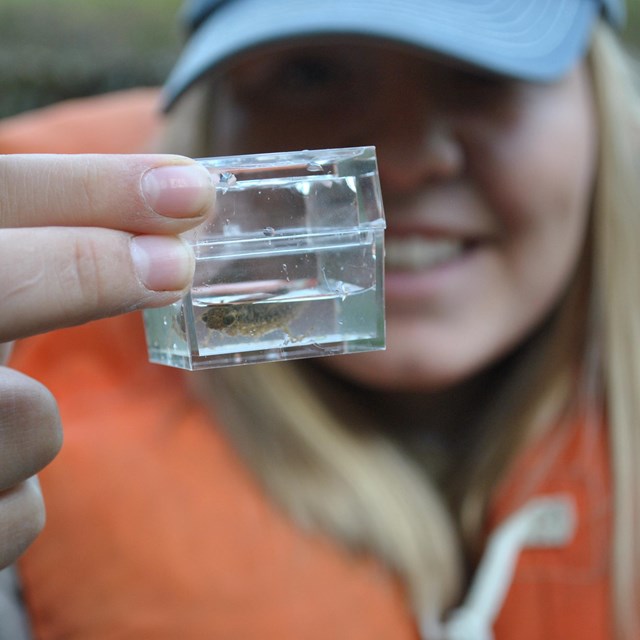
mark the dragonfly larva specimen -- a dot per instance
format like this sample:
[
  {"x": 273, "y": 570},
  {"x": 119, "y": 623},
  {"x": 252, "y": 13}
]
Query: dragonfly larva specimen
[{"x": 251, "y": 319}]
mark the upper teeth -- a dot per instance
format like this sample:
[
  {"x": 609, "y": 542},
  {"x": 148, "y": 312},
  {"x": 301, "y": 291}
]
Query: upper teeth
[{"x": 418, "y": 252}]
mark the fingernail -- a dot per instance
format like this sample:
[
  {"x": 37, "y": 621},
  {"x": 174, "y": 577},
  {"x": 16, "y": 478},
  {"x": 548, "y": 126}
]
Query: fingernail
[
  {"x": 163, "y": 263},
  {"x": 178, "y": 191}
]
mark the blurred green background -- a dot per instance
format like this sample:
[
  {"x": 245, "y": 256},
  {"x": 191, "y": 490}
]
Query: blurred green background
[{"x": 51, "y": 50}]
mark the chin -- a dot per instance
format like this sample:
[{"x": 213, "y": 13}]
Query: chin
[{"x": 396, "y": 370}]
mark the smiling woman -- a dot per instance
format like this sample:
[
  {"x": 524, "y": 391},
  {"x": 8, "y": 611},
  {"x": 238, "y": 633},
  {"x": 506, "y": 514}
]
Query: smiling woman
[
  {"x": 488, "y": 180},
  {"x": 468, "y": 217}
]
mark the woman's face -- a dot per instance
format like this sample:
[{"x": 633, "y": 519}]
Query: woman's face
[{"x": 486, "y": 185}]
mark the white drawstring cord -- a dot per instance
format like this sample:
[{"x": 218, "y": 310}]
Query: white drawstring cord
[{"x": 543, "y": 522}]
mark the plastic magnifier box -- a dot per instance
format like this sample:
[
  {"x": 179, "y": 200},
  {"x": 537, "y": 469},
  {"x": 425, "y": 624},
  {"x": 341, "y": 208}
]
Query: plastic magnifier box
[{"x": 288, "y": 265}]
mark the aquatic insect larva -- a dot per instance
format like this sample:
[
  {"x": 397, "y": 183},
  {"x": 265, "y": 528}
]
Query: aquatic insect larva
[{"x": 251, "y": 319}]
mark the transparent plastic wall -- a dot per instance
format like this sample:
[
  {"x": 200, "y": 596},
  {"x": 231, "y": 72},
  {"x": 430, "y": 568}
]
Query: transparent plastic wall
[{"x": 290, "y": 265}]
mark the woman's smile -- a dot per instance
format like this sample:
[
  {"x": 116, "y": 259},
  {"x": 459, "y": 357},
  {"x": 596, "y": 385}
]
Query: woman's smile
[
  {"x": 418, "y": 253},
  {"x": 421, "y": 268}
]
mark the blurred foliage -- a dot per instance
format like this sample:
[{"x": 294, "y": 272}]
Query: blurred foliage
[
  {"x": 51, "y": 50},
  {"x": 632, "y": 31}
]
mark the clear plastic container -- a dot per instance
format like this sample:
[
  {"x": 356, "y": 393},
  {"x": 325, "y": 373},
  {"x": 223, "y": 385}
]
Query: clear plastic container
[{"x": 290, "y": 265}]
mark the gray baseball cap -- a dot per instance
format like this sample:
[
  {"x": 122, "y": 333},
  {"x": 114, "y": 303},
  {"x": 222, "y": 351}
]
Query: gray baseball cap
[{"x": 536, "y": 40}]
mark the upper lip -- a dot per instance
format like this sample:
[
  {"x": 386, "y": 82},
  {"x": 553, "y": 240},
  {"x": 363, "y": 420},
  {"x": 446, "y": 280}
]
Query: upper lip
[
  {"x": 448, "y": 232},
  {"x": 441, "y": 215}
]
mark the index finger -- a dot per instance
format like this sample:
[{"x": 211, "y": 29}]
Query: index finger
[{"x": 135, "y": 193}]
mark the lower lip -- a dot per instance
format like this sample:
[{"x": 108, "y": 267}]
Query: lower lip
[{"x": 453, "y": 276}]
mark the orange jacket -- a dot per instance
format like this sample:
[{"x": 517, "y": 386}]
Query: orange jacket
[
  {"x": 156, "y": 529},
  {"x": 120, "y": 122}
]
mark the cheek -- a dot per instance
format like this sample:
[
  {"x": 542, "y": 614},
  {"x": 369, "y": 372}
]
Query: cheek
[{"x": 538, "y": 180}]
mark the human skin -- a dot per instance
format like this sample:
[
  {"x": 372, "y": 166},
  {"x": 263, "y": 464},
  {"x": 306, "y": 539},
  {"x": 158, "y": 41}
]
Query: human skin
[
  {"x": 487, "y": 185},
  {"x": 81, "y": 237}
]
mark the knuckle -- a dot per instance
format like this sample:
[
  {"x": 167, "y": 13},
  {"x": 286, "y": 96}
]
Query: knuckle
[
  {"x": 98, "y": 277},
  {"x": 87, "y": 188},
  {"x": 82, "y": 279}
]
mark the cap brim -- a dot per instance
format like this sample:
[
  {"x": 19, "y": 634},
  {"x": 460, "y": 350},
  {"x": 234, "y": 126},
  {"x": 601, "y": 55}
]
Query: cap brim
[{"x": 536, "y": 40}]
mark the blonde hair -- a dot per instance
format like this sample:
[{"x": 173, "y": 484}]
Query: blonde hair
[
  {"x": 617, "y": 268},
  {"x": 333, "y": 470}
]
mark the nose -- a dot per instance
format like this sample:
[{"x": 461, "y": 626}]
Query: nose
[{"x": 421, "y": 150}]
